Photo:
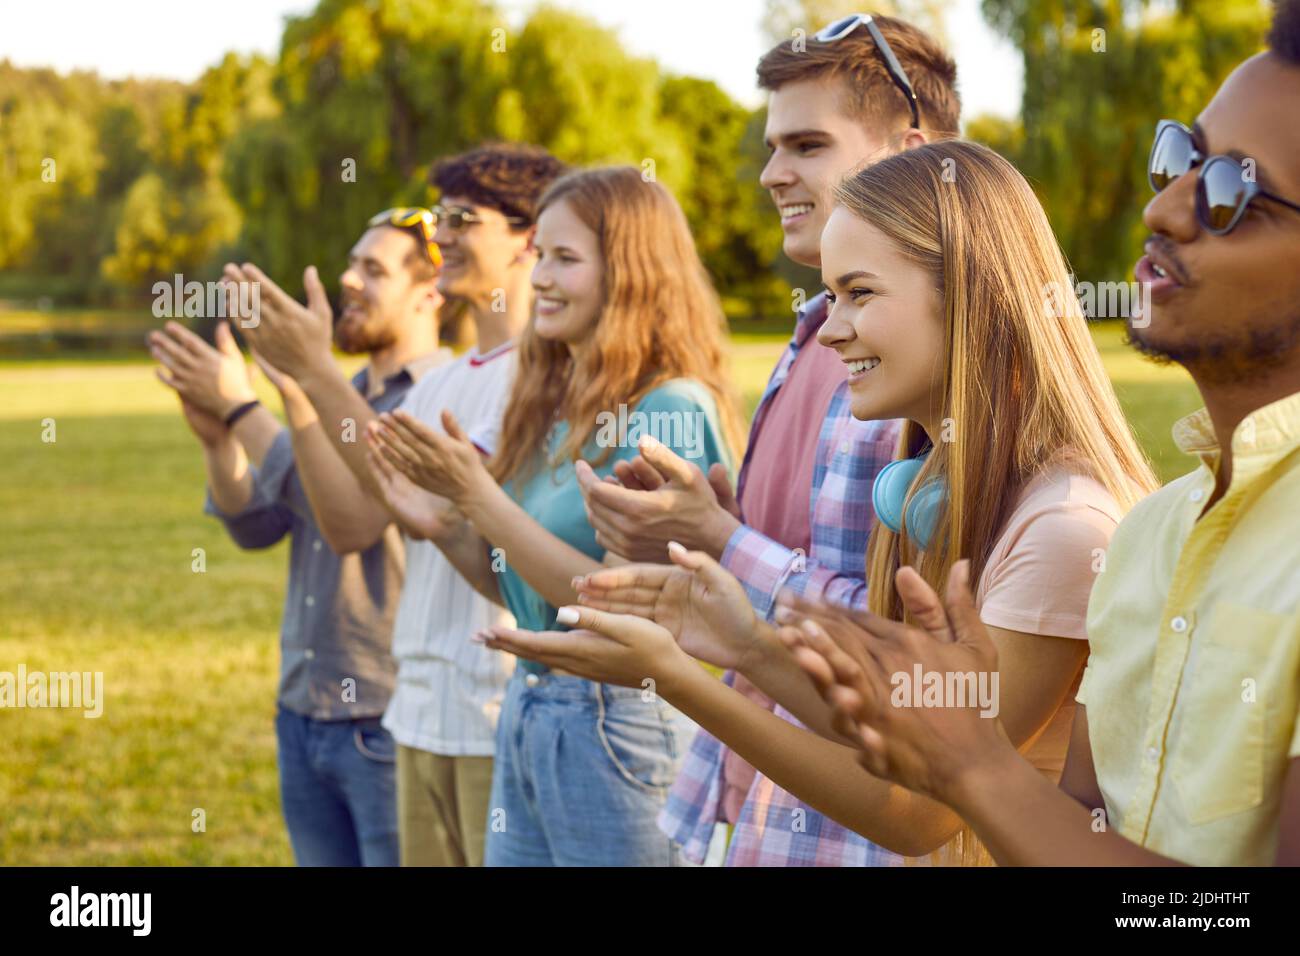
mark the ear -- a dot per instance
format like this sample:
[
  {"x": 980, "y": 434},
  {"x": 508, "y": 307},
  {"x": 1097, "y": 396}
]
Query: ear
[
  {"x": 433, "y": 297},
  {"x": 529, "y": 250},
  {"x": 913, "y": 138}
]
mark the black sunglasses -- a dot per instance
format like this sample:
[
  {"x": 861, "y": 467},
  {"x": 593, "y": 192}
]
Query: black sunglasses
[
  {"x": 843, "y": 27},
  {"x": 1224, "y": 186},
  {"x": 458, "y": 218}
]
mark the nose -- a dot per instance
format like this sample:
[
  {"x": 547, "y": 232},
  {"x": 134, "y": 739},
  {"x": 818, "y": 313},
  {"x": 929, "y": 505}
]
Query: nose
[
  {"x": 541, "y": 279},
  {"x": 1172, "y": 211},
  {"x": 350, "y": 279},
  {"x": 836, "y": 333},
  {"x": 775, "y": 173},
  {"x": 444, "y": 235}
]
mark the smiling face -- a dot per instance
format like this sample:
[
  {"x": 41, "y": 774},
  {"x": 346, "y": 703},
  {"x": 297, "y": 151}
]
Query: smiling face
[
  {"x": 381, "y": 291},
  {"x": 1229, "y": 306},
  {"x": 568, "y": 279},
  {"x": 885, "y": 321},
  {"x": 481, "y": 257},
  {"x": 814, "y": 143}
]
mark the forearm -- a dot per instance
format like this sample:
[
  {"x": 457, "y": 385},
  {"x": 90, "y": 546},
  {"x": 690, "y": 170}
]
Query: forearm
[
  {"x": 256, "y": 430},
  {"x": 337, "y": 404},
  {"x": 824, "y": 774},
  {"x": 773, "y": 670},
  {"x": 765, "y": 568},
  {"x": 544, "y": 561},
  {"x": 349, "y": 519},
  {"x": 468, "y": 553},
  {"x": 1025, "y": 820},
  {"x": 229, "y": 479}
]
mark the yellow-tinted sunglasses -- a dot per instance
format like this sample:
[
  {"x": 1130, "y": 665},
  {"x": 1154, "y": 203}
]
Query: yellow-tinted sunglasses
[{"x": 413, "y": 218}]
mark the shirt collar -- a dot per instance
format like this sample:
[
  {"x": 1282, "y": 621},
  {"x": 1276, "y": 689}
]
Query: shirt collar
[
  {"x": 413, "y": 370},
  {"x": 1260, "y": 440},
  {"x": 811, "y": 318}
]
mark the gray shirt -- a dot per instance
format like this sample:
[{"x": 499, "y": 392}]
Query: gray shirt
[{"x": 336, "y": 658}]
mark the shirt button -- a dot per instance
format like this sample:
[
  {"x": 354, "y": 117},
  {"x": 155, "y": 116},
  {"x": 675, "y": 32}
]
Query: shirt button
[
  {"x": 844, "y": 447},
  {"x": 1179, "y": 624},
  {"x": 309, "y": 654},
  {"x": 532, "y": 680},
  {"x": 315, "y": 545},
  {"x": 1196, "y": 495},
  {"x": 1152, "y": 755}
]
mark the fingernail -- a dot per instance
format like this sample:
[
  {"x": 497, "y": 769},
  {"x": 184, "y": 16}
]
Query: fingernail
[
  {"x": 567, "y": 615},
  {"x": 676, "y": 548},
  {"x": 809, "y": 627},
  {"x": 481, "y": 637},
  {"x": 578, "y": 582},
  {"x": 783, "y": 614},
  {"x": 647, "y": 441}
]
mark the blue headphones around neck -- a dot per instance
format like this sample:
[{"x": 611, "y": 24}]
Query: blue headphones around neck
[{"x": 889, "y": 498}]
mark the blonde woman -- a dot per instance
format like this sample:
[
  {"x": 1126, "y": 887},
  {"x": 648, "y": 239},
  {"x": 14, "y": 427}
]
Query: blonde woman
[
  {"x": 626, "y": 341},
  {"x": 1016, "y": 455}
]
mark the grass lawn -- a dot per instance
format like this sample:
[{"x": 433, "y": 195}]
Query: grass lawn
[{"x": 99, "y": 529}]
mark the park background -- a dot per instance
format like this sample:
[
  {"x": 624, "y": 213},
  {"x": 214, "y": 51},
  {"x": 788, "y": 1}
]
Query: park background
[{"x": 154, "y": 177}]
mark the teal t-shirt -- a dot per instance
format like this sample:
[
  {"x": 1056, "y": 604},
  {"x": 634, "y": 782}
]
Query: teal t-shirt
[{"x": 681, "y": 414}]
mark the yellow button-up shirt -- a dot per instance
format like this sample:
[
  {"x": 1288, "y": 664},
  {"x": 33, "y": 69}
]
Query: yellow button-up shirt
[{"x": 1193, "y": 684}]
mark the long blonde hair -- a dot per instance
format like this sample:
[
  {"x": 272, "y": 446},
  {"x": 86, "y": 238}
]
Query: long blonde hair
[
  {"x": 1025, "y": 388},
  {"x": 661, "y": 320}
]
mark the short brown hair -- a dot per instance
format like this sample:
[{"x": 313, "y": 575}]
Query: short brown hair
[
  {"x": 873, "y": 96},
  {"x": 507, "y": 177}
]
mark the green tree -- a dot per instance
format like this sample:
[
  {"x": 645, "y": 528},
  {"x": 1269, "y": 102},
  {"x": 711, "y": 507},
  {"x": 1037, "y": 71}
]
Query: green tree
[{"x": 1098, "y": 75}]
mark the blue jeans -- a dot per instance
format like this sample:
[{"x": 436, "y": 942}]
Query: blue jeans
[
  {"x": 582, "y": 771},
  {"x": 338, "y": 790}
]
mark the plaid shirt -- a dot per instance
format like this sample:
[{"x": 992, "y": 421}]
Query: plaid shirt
[{"x": 776, "y": 829}]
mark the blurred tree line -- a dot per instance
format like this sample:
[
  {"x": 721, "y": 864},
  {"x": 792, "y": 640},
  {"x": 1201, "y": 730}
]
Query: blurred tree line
[
  {"x": 109, "y": 186},
  {"x": 283, "y": 162},
  {"x": 1098, "y": 75}
]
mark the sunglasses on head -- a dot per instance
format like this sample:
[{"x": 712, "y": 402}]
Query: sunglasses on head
[
  {"x": 422, "y": 222},
  {"x": 1225, "y": 187},
  {"x": 459, "y": 218},
  {"x": 843, "y": 27}
]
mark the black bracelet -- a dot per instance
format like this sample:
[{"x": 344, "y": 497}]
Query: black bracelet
[{"x": 240, "y": 412}]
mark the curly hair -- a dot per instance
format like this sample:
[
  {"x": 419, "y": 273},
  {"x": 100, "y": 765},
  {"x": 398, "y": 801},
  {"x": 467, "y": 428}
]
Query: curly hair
[
  {"x": 507, "y": 177},
  {"x": 1284, "y": 36}
]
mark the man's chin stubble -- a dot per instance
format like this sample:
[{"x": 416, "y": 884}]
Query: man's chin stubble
[{"x": 1225, "y": 359}]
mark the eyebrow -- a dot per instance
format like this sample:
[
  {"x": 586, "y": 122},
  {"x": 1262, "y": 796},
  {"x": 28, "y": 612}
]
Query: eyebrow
[
  {"x": 795, "y": 135},
  {"x": 365, "y": 260},
  {"x": 856, "y": 274}
]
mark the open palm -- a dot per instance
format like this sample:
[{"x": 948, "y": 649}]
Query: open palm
[
  {"x": 695, "y": 599},
  {"x": 421, "y": 514}
]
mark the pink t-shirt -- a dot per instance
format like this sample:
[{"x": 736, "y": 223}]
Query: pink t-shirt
[{"x": 1040, "y": 573}]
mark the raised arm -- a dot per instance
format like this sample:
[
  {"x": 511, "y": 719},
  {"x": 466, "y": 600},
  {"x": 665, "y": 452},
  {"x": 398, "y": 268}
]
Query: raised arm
[
  {"x": 428, "y": 517},
  {"x": 296, "y": 339},
  {"x": 447, "y": 463}
]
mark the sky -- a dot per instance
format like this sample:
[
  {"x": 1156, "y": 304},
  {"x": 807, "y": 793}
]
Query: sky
[{"x": 180, "y": 38}]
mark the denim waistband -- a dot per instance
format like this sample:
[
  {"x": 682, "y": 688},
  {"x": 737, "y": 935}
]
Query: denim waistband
[
  {"x": 530, "y": 667},
  {"x": 572, "y": 688}
]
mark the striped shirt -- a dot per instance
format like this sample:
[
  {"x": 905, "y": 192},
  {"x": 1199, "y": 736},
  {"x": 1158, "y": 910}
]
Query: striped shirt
[
  {"x": 775, "y": 828},
  {"x": 449, "y": 689}
]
